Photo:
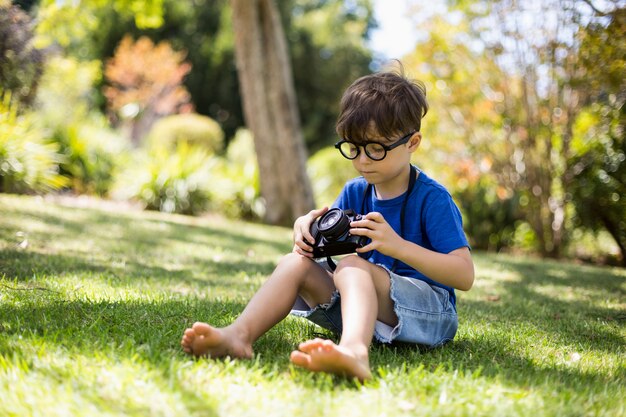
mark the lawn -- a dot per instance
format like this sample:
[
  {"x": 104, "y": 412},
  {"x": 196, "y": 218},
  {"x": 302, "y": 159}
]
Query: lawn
[{"x": 93, "y": 302}]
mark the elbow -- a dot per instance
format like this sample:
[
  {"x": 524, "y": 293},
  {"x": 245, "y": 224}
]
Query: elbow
[
  {"x": 468, "y": 281},
  {"x": 467, "y": 284}
]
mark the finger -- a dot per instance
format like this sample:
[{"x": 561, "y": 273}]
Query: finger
[
  {"x": 360, "y": 231},
  {"x": 299, "y": 251},
  {"x": 365, "y": 224},
  {"x": 318, "y": 212},
  {"x": 375, "y": 216},
  {"x": 308, "y": 237},
  {"x": 303, "y": 246},
  {"x": 365, "y": 248}
]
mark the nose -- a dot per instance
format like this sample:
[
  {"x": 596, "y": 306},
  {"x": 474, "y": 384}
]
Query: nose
[{"x": 363, "y": 158}]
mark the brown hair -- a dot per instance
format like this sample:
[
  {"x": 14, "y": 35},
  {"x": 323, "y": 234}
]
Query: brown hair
[{"x": 392, "y": 102}]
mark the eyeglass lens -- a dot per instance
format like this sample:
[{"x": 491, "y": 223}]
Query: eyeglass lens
[{"x": 374, "y": 150}]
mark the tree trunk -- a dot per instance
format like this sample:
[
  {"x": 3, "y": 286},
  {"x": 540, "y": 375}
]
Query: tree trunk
[{"x": 270, "y": 109}]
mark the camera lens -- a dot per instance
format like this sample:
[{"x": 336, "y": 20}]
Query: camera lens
[{"x": 334, "y": 224}]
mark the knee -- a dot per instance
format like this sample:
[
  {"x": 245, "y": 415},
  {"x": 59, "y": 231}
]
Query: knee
[
  {"x": 352, "y": 263},
  {"x": 296, "y": 262}
]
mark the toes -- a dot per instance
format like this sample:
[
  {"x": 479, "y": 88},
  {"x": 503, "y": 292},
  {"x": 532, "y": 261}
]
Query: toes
[
  {"x": 300, "y": 359},
  {"x": 311, "y": 345},
  {"x": 201, "y": 328}
]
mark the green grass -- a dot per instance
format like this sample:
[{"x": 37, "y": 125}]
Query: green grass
[{"x": 93, "y": 304}]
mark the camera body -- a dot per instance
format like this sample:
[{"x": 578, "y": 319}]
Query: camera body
[{"x": 332, "y": 234}]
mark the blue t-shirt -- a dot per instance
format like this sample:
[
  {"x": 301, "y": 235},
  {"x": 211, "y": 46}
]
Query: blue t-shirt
[{"x": 432, "y": 220}]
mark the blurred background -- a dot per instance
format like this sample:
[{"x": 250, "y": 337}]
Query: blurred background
[{"x": 155, "y": 102}]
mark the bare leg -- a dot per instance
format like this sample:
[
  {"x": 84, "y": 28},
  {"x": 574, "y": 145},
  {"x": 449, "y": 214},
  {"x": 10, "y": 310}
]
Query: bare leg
[
  {"x": 364, "y": 290},
  {"x": 294, "y": 274}
]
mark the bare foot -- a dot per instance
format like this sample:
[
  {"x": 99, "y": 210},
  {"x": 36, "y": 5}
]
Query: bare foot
[
  {"x": 319, "y": 355},
  {"x": 204, "y": 340}
]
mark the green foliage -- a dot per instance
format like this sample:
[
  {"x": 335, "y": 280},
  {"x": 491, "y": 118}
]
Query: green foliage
[
  {"x": 326, "y": 40},
  {"x": 490, "y": 214},
  {"x": 194, "y": 129},
  {"x": 519, "y": 106},
  {"x": 192, "y": 179},
  {"x": 74, "y": 27},
  {"x": 91, "y": 150},
  {"x": 28, "y": 163},
  {"x": 172, "y": 182},
  {"x": 598, "y": 157},
  {"x": 238, "y": 193},
  {"x": 20, "y": 62},
  {"x": 329, "y": 171},
  {"x": 327, "y": 43},
  {"x": 599, "y": 190},
  {"x": 92, "y": 155}
]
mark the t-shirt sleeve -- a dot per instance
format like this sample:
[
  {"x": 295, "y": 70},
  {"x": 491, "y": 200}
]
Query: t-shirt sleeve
[{"x": 443, "y": 224}]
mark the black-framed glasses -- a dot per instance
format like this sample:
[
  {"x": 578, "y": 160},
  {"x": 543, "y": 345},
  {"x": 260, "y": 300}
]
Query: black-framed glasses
[{"x": 374, "y": 150}]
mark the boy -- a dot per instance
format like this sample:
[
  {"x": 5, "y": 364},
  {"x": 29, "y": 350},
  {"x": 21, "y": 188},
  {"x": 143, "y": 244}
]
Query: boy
[{"x": 400, "y": 286}]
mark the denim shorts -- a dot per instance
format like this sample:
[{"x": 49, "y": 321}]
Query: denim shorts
[{"x": 426, "y": 316}]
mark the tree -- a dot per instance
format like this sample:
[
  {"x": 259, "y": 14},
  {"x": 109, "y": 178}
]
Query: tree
[
  {"x": 326, "y": 40},
  {"x": 327, "y": 44},
  {"x": 536, "y": 44},
  {"x": 21, "y": 64},
  {"x": 146, "y": 84},
  {"x": 270, "y": 109},
  {"x": 599, "y": 145},
  {"x": 465, "y": 130}
]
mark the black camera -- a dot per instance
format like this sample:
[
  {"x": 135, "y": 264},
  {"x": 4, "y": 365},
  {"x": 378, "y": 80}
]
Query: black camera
[{"x": 332, "y": 234}]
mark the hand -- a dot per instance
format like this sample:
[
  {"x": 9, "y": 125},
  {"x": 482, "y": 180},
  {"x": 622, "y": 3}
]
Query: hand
[
  {"x": 374, "y": 226},
  {"x": 302, "y": 237}
]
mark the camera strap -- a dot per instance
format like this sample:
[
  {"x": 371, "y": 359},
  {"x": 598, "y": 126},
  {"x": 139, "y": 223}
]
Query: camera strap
[{"x": 370, "y": 188}]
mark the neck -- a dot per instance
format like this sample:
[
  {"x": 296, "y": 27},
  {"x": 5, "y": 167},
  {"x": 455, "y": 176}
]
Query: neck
[{"x": 394, "y": 187}]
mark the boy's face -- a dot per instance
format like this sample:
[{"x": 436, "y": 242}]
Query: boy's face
[{"x": 394, "y": 161}]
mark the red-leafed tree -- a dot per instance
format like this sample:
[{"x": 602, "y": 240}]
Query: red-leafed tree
[{"x": 145, "y": 83}]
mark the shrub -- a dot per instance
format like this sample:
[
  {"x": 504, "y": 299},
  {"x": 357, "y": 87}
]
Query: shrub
[
  {"x": 328, "y": 171},
  {"x": 193, "y": 128},
  {"x": 238, "y": 193},
  {"x": 92, "y": 154},
  {"x": 91, "y": 149},
  {"x": 491, "y": 214},
  {"x": 27, "y": 162},
  {"x": 178, "y": 182}
]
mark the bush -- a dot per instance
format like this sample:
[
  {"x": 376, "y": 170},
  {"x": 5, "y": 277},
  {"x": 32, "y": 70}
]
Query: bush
[
  {"x": 27, "y": 162},
  {"x": 92, "y": 154},
  {"x": 490, "y": 213},
  {"x": 238, "y": 194},
  {"x": 178, "y": 182},
  {"x": 193, "y": 128},
  {"x": 92, "y": 151},
  {"x": 328, "y": 171}
]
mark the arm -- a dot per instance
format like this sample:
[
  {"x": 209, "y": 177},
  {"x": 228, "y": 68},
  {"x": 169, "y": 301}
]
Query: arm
[{"x": 454, "y": 269}]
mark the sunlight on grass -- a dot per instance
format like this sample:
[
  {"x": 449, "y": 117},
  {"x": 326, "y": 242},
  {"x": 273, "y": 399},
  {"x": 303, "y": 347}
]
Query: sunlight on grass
[{"x": 92, "y": 309}]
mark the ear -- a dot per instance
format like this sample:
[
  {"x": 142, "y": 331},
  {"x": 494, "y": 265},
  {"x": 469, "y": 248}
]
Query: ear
[{"x": 415, "y": 141}]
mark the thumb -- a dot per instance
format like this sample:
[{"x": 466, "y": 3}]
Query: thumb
[{"x": 318, "y": 212}]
